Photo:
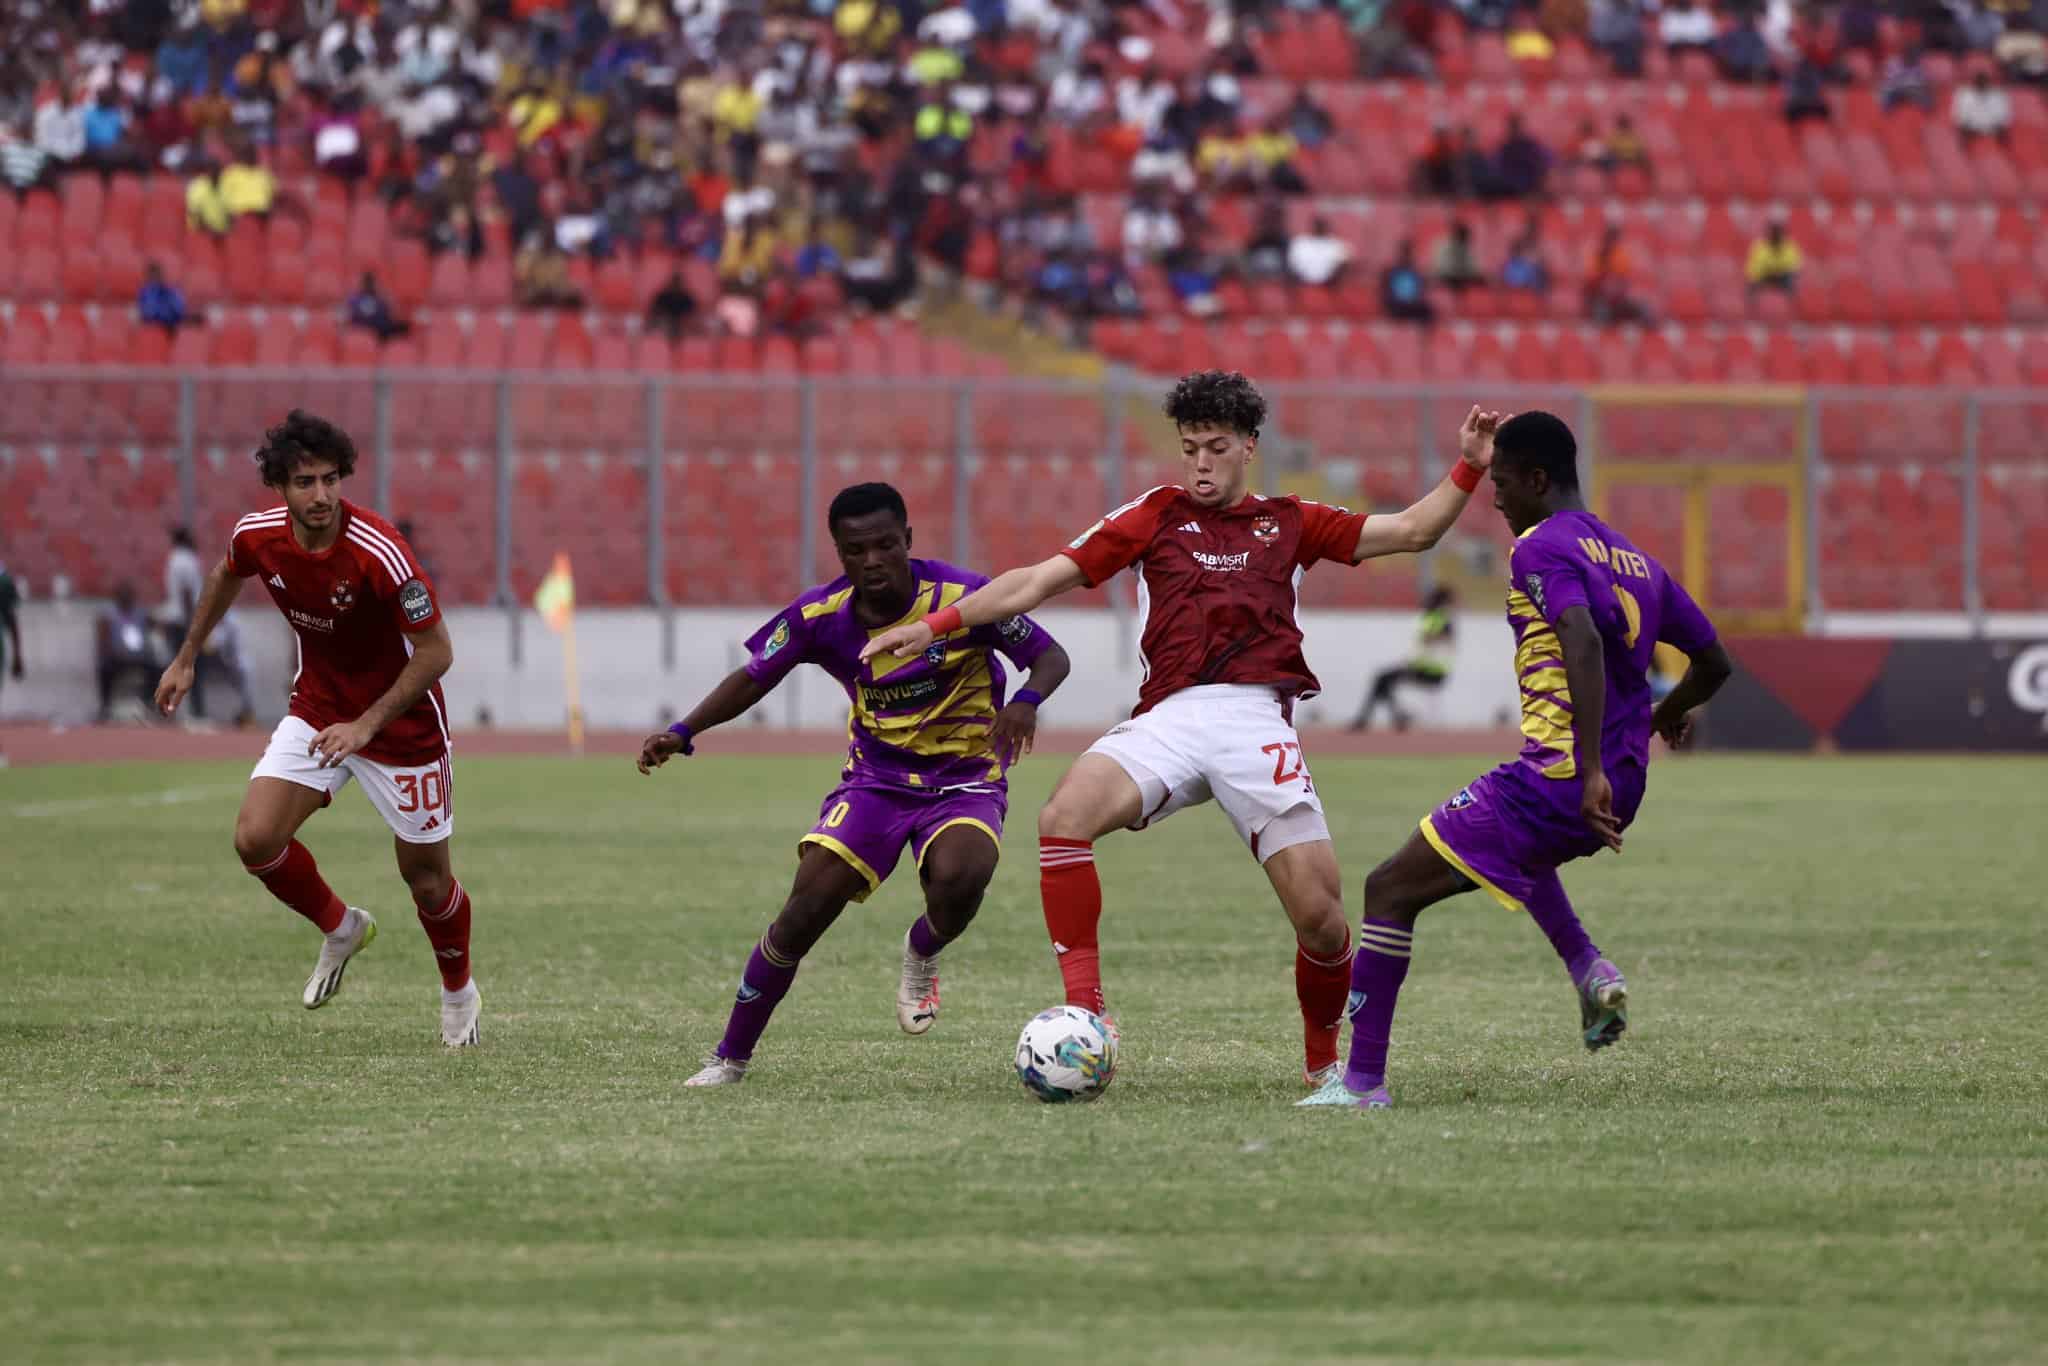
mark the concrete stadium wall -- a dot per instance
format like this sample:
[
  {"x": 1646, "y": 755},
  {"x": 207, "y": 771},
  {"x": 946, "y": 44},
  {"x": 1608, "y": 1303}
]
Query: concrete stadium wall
[{"x": 510, "y": 664}]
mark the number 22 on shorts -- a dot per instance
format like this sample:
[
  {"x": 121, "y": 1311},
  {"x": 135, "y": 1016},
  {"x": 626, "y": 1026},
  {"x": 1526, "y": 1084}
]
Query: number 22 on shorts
[{"x": 1288, "y": 764}]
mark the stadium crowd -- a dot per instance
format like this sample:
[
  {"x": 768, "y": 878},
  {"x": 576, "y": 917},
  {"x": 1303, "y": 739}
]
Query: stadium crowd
[{"x": 796, "y": 159}]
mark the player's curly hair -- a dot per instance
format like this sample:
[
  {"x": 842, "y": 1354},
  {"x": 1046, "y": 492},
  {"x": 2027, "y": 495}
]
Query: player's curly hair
[
  {"x": 299, "y": 438},
  {"x": 1217, "y": 398}
]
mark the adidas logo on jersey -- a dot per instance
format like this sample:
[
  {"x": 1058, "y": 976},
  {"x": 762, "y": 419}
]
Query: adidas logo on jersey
[
  {"x": 1195, "y": 527},
  {"x": 277, "y": 581}
]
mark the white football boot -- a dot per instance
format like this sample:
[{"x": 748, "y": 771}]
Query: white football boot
[
  {"x": 354, "y": 934},
  {"x": 719, "y": 1071},
  {"x": 459, "y": 1016},
  {"x": 917, "y": 993}
]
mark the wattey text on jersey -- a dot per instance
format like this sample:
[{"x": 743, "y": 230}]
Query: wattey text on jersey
[{"x": 1617, "y": 557}]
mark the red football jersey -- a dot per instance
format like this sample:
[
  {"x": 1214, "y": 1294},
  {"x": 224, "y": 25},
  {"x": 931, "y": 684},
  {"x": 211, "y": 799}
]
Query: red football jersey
[
  {"x": 354, "y": 606},
  {"x": 1217, "y": 586}
]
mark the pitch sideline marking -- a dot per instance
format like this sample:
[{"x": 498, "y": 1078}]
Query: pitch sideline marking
[{"x": 170, "y": 796}]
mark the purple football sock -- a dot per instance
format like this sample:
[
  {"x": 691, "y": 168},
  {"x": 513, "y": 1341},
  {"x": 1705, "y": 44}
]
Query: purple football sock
[
  {"x": 1377, "y": 972},
  {"x": 1553, "y": 914},
  {"x": 924, "y": 940},
  {"x": 762, "y": 986}
]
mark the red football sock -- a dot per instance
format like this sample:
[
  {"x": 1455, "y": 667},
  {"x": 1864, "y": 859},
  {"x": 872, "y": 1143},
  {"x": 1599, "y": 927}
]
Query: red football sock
[
  {"x": 448, "y": 931},
  {"x": 1322, "y": 985},
  {"x": 293, "y": 878},
  {"x": 1072, "y": 896}
]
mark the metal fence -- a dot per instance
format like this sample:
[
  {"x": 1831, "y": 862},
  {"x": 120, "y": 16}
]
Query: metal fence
[{"x": 1776, "y": 504}]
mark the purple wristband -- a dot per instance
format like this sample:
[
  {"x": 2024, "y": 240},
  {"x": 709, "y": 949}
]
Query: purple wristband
[
  {"x": 684, "y": 733},
  {"x": 1029, "y": 696}
]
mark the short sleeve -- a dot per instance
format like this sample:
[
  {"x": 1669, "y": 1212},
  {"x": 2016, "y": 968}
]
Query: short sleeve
[
  {"x": 1116, "y": 542},
  {"x": 779, "y": 646},
  {"x": 241, "y": 553},
  {"x": 1020, "y": 639},
  {"x": 1329, "y": 533},
  {"x": 396, "y": 575},
  {"x": 1552, "y": 579},
  {"x": 1682, "y": 625}
]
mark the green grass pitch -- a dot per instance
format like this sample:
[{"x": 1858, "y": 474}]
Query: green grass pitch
[{"x": 1825, "y": 1138}]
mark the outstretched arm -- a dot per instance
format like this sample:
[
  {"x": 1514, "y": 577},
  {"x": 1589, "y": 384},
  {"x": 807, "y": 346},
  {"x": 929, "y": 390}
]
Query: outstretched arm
[
  {"x": 734, "y": 695},
  {"x": 1422, "y": 524},
  {"x": 223, "y": 586},
  {"x": 1009, "y": 594},
  {"x": 1708, "y": 670},
  {"x": 1585, "y": 675}
]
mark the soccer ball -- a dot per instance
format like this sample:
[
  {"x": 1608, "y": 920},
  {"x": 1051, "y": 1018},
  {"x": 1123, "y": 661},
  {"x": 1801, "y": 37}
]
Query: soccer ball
[{"x": 1066, "y": 1053}]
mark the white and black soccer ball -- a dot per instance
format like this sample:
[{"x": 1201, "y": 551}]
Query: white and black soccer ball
[{"x": 1067, "y": 1053}]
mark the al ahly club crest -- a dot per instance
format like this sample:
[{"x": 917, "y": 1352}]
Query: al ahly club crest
[
  {"x": 343, "y": 597},
  {"x": 1265, "y": 530}
]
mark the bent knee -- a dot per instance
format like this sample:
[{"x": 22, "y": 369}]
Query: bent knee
[
  {"x": 958, "y": 890},
  {"x": 1065, "y": 818},
  {"x": 430, "y": 891},
  {"x": 1387, "y": 896},
  {"x": 257, "y": 845}
]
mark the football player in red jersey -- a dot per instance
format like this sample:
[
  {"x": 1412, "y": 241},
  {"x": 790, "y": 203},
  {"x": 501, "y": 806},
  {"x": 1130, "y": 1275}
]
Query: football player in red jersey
[
  {"x": 366, "y": 704},
  {"x": 1218, "y": 567}
]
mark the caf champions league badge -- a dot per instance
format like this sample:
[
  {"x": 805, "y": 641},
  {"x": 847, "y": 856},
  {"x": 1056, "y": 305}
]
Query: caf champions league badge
[{"x": 343, "y": 597}]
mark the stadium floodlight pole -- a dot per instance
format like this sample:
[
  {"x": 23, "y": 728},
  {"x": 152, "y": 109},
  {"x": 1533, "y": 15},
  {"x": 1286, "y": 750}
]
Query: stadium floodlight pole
[{"x": 1973, "y": 546}]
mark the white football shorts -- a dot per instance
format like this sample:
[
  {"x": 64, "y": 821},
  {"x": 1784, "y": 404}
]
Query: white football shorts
[
  {"x": 1227, "y": 741},
  {"x": 417, "y": 803}
]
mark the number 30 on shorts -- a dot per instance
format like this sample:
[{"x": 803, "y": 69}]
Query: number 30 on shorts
[
  {"x": 420, "y": 791},
  {"x": 1288, "y": 764}
]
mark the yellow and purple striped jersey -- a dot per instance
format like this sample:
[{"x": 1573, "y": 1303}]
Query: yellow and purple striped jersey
[
  {"x": 921, "y": 720},
  {"x": 1573, "y": 559}
]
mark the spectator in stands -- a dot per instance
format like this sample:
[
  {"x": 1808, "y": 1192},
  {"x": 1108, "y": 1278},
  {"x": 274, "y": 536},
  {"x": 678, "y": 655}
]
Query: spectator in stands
[
  {"x": 1905, "y": 82},
  {"x": 518, "y": 195},
  {"x": 338, "y": 147},
  {"x": 456, "y": 230},
  {"x": 1403, "y": 293},
  {"x": 1981, "y": 109},
  {"x": 1195, "y": 272},
  {"x": 540, "y": 276},
  {"x": 1774, "y": 260},
  {"x": 1436, "y": 170},
  {"x": 1526, "y": 269},
  {"x": 1397, "y": 44},
  {"x": 159, "y": 302},
  {"x": 880, "y": 277},
  {"x": 1308, "y": 122},
  {"x": 1265, "y": 253},
  {"x": 1150, "y": 229},
  {"x": 1858, "y": 27},
  {"x": 748, "y": 256},
  {"x": 1608, "y": 275},
  {"x": 1522, "y": 164},
  {"x": 1079, "y": 97},
  {"x": 60, "y": 130},
  {"x": 205, "y": 209},
  {"x": 247, "y": 186},
  {"x": 1687, "y": 25},
  {"x": 1742, "y": 53},
  {"x": 107, "y": 144},
  {"x": 2022, "y": 52},
  {"x": 1805, "y": 98},
  {"x": 1528, "y": 46},
  {"x": 22, "y": 162},
  {"x": 671, "y": 309},
  {"x": 10, "y": 632},
  {"x": 1318, "y": 257},
  {"x": 1615, "y": 27},
  {"x": 122, "y": 644},
  {"x": 371, "y": 311},
  {"x": 1456, "y": 265},
  {"x": 1625, "y": 147}
]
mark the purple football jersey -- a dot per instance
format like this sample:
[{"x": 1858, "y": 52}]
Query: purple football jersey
[
  {"x": 1574, "y": 559},
  {"x": 919, "y": 720}
]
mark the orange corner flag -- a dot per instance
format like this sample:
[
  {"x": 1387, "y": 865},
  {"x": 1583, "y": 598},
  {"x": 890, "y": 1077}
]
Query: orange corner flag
[{"x": 555, "y": 599}]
